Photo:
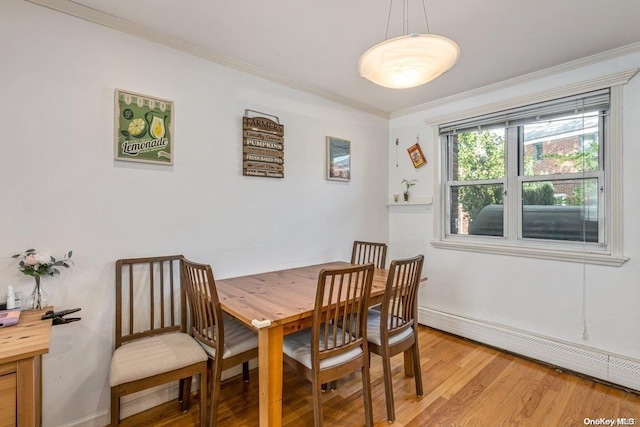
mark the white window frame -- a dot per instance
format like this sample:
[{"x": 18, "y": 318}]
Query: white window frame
[{"x": 611, "y": 252}]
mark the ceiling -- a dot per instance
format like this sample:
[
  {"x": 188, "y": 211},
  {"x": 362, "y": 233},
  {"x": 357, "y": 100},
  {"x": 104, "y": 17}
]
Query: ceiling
[{"x": 315, "y": 45}]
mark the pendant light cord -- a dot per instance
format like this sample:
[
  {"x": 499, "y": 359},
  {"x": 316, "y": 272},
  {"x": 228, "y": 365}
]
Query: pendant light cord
[
  {"x": 405, "y": 20},
  {"x": 405, "y": 12},
  {"x": 424, "y": 8},
  {"x": 386, "y": 34}
]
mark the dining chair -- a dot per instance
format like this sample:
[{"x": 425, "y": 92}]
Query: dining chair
[
  {"x": 325, "y": 352},
  {"x": 151, "y": 344},
  {"x": 392, "y": 328},
  {"x": 364, "y": 252},
  {"x": 226, "y": 341}
]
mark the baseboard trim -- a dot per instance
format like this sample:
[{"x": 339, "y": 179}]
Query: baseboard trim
[
  {"x": 146, "y": 399},
  {"x": 99, "y": 419},
  {"x": 608, "y": 367},
  {"x": 134, "y": 403}
]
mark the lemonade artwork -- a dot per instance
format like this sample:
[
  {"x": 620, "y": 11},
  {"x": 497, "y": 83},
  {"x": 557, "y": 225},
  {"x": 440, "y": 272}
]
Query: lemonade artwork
[
  {"x": 137, "y": 127},
  {"x": 144, "y": 128},
  {"x": 156, "y": 125}
]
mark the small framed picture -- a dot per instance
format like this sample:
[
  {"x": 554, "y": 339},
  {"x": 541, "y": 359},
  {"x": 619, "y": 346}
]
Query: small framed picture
[
  {"x": 338, "y": 159},
  {"x": 416, "y": 155},
  {"x": 143, "y": 128}
]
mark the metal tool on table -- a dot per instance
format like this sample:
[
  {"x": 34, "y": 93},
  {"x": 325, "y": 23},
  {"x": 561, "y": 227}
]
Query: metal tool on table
[{"x": 58, "y": 316}]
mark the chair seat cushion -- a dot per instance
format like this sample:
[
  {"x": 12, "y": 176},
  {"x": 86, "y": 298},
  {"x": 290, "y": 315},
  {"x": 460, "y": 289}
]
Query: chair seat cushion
[
  {"x": 373, "y": 329},
  {"x": 237, "y": 339},
  {"x": 154, "y": 355},
  {"x": 298, "y": 347}
]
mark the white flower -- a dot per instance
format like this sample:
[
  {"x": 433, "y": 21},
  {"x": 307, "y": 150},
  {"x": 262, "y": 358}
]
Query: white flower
[{"x": 43, "y": 258}]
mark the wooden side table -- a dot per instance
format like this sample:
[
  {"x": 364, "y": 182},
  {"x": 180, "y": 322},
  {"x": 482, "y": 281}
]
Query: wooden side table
[{"x": 21, "y": 350}]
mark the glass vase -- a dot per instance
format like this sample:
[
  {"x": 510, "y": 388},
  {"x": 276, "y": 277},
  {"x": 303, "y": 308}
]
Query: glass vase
[{"x": 38, "y": 298}]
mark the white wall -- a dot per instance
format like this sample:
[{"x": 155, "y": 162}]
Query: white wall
[
  {"x": 539, "y": 297},
  {"x": 61, "y": 189}
]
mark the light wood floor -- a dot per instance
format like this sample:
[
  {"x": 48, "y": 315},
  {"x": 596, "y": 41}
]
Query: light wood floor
[{"x": 465, "y": 384}]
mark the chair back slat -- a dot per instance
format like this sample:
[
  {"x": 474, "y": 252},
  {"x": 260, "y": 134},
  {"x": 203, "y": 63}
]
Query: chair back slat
[
  {"x": 151, "y": 294},
  {"x": 149, "y": 298},
  {"x": 342, "y": 295},
  {"x": 206, "y": 313},
  {"x": 131, "y": 317},
  {"x": 399, "y": 306},
  {"x": 366, "y": 252}
]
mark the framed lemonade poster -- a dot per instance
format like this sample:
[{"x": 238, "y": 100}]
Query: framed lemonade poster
[{"x": 144, "y": 128}]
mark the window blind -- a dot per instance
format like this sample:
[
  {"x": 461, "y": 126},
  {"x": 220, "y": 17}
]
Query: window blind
[{"x": 577, "y": 104}]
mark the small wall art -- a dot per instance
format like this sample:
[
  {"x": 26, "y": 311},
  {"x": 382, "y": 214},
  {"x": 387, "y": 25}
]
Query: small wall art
[
  {"x": 416, "y": 155},
  {"x": 143, "y": 128},
  {"x": 338, "y": 159},
  {"x": 262, "y": 145}
]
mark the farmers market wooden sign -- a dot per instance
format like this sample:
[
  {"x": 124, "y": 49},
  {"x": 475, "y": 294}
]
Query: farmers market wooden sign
[
  {"x": 144, "y": 128},
  {"x": 262, "y": 147}
]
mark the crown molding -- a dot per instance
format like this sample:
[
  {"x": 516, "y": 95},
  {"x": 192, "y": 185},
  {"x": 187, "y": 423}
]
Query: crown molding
[
  {"x": 119, "y": 24},
  {"x": 506, "y": 84}
]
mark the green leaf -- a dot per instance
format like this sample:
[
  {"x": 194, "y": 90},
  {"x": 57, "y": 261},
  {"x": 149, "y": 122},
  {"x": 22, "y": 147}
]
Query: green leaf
[
  {"x": 29, "y": 251},
  {"x": 15, "y": 256},
  {"x": 69, "y": 254}
]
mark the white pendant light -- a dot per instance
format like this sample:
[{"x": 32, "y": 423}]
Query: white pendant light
[{"x": 409, "y": 60}]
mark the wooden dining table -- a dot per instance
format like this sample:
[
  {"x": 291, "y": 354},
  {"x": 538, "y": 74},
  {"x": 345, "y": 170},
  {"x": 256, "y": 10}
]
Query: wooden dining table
[{"x": 276, "y": 304}]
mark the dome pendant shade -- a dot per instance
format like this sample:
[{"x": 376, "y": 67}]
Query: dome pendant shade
[{"x": 408, "y": 61}]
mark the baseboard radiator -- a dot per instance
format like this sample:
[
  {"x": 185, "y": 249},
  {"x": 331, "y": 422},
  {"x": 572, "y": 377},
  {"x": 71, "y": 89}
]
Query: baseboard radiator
[{"x": 594, "y": 363}]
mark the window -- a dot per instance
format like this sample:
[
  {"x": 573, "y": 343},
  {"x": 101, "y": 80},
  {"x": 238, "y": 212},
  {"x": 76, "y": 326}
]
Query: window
[{"x": 535, "y": 180}]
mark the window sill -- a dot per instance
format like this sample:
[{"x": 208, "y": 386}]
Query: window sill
[{"x": 534, "y": 252}]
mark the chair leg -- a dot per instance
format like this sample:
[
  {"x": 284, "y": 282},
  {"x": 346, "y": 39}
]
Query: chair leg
[
  {"x": 245, "y": 372},
  {"x": 388, "y": 385},
  {"x": 181, "y": 391},
  {"x": 185, "y": 390},
  {"x": 215, "y": 392},
  {"x": 417, "y": 369},
  {"x": 203, "y": 395},
  {"x": 115, "y": 406},
  {"x": 333, "y": 385},
  {"x": 366, "y": 394},
  {"x": 317, "y": 403},
  {"x": 408, "y": 362}
]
